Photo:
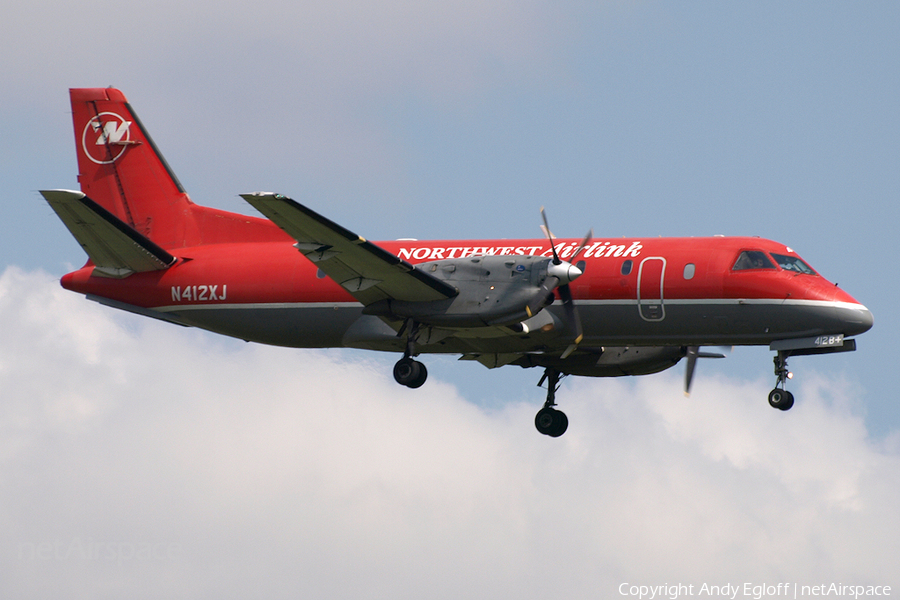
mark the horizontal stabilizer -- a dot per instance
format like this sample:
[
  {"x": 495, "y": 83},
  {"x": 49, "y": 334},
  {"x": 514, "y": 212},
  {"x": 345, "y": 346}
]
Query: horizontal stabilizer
[
  {"x": 367, "y": 271},
  {"x": 115, "y": 248}
]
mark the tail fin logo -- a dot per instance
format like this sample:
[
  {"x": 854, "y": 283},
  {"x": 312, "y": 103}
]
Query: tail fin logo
[{"x": 105, "y": 138}]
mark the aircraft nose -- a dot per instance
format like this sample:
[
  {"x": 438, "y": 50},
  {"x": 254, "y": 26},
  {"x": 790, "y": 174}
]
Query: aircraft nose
[
  {"x": 856, "y": 319},
  {"x": 853, "y": 318}
]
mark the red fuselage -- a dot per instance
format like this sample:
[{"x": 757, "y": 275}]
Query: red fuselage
[{"x": 656, "y": 291}]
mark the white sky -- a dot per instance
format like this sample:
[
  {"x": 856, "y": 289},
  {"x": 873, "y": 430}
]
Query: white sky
[{"x": 243, "y": 470}]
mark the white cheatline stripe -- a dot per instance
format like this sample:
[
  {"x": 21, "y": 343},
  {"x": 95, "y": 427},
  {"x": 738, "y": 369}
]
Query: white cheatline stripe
[{"x": 256, "y": 305}]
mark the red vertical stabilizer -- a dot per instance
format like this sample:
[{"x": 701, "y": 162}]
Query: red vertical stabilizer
[{"x": 120, "y": 168}]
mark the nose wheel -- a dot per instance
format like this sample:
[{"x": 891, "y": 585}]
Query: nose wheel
[
  {"x": 779, "y": 397},
  {"x": 548, "y": 420}
]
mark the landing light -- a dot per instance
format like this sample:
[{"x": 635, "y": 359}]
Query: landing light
[{"x": 790, "y": 375}]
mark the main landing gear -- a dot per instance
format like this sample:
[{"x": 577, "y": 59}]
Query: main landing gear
[
  {"x": 779, "y": 397},
  {"x": 548, "y": 420},
  {"x": 408, "y": 371}
]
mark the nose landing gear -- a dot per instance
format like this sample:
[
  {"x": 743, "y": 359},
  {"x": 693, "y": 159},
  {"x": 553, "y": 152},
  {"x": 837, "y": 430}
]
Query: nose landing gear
[
  {"x": 779, "y": 397},
  {"x": 548, "y": 420}
]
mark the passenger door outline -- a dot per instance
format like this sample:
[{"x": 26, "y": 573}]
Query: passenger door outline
[{"x": 650, "y": 290}]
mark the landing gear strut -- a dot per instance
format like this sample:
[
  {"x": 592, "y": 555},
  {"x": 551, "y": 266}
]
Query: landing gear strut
[
  {"x": 407, "y": 371},
  {"x": 548, "y": 420},
  {"x": 779, "y": 397}
]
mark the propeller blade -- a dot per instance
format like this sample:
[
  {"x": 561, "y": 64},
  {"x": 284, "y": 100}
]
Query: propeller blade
[
  {"x": 540, "y": 300},
  {"x": 723, "y": 351},
  {"x": 572, "y": 318},
  {"x": 693, "y": 353},
  {"x": 584, "y": 242},
  {"x": 565, "y": 273},
  {"x": 556, "y": 259}
]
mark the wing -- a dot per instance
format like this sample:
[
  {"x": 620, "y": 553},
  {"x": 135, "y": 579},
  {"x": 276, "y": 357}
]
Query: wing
[
  {"x": 116, "y": 249},
  {"x": 368, "y": 272}
]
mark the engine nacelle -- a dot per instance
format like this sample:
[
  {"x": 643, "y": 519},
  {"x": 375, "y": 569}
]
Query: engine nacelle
[
  {"x": 610, "y": 361},
  {"x": 493, "y": 290}
]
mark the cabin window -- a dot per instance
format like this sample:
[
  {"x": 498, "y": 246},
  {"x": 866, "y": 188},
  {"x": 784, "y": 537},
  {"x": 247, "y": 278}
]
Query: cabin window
[
  {"x": 753, "y": 259},
  {"x": 627, "y": 266},
  {"x": 689, "y": 270},
  {"x": 793, "y": 263},
  {"x": 320, "y": 274}
]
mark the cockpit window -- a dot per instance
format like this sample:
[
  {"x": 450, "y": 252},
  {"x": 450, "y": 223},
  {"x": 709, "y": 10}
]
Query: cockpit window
[
  {"x": 793, "y": 263},
  {"x": 753, "y": 259}
]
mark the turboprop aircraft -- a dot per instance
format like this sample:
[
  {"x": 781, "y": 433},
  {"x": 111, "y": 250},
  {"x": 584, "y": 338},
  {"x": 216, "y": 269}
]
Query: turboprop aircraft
[{"x": 590, "y": 307}]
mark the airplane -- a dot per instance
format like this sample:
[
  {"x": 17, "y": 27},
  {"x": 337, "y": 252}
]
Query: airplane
[{"x": 588, "y": 307}]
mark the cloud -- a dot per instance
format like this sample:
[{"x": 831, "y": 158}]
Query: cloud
[{"x": 142, "y": 459}]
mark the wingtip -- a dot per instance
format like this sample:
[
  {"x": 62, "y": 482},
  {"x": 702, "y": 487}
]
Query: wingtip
[
  {"x": 61, "y": 194},
  {"x": 256, "y": 195}
]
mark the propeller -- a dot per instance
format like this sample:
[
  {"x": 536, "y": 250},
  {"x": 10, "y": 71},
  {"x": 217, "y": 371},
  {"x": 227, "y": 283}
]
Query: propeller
[
  {"x": 560, "y": 274},
  {"x": 693, "y": 353}
]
